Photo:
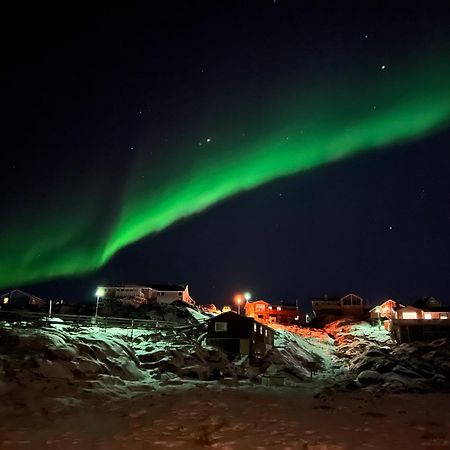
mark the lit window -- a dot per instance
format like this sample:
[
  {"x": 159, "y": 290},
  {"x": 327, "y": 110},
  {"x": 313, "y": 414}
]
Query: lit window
[
  {"x": 278, "y": 308},
  {"x": 254, "y": 327},
  {"x": 220, "y": 326},
  {"x": 266, "y": 332},
  {"x": 270, "y": 307},
  {"x": 443, "y": 316},
  {"x": 261, "y": 330},
  {"x": 6, "y": 300},
  {"x": 409, "y": 315},
  {"x": 427, "y": 315}
]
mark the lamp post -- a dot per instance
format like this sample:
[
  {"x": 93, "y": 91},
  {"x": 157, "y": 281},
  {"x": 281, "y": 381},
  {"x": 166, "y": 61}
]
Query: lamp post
[
  {"x": 100, "y": 292},
  {"x": 241, "y": 298}
]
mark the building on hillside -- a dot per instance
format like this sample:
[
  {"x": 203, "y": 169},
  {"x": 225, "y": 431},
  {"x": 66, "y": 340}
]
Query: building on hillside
[
  {"x": 384, "y": 310},
  {"x": 17, "y": 299},
  {"x": 274, "y": 313},
  {"x": 427, "y": 302},
  {"x": 160, "y": 293},
  {"x": 412, "y": 323},
  {"x": 350, "y": 305},
  {"x": 286, "y": 314},
  {"x": 238, "y": 334},
  {"x": 258, "y": 310}
]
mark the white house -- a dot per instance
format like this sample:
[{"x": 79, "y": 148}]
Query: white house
[{"x": 161, "y": 293}]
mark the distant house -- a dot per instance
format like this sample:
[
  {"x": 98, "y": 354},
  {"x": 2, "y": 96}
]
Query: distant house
[
  {"x": 350, "y": 305},
  {"x": 384, "y": 310},
  {"x": 421, "y": 323},
  {"x": 17, "y": 299},
  {"x": 427, "y": 302},
  {"x": 258, "y": 309},
  {"x": 237, "y": 334},
  {"x": 286, "y": 314},
  {"x": 161, "y": 293},
  {"x": 271, "y": 313}
]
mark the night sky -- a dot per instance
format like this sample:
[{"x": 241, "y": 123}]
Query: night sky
[{"x": 284, "y": 148}]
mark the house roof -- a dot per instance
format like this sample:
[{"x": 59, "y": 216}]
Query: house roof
[
  {"x": 167, "y": 287},
  {"x": 327, "y": 299},
  {"x": 436, "y": 309},
  {"x": 232, "y": 315},
  {"x": 426, "y": 302},
  {"x": 426, "y": 309},
  {"x": 156, "y": 287},
  {"x": 283, "y": 305},
  {"x": 397, "y": 304},
  {"x": 23, "y": 293}
]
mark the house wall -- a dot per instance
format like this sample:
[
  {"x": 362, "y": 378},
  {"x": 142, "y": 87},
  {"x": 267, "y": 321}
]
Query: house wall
[
  {"x": 284, "y": 315},
  {"x": 259, "y": 310},
  {"x": 410, "y": 330},
  {"x": 262, "y": 338},
  {"x": 167, "y": 297},
  {"x": 22, "y": 300},
  {"x": 238, "y": 334}
]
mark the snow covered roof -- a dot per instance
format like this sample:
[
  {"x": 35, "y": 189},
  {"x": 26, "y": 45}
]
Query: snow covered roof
[{"x": 156, "y": 287}]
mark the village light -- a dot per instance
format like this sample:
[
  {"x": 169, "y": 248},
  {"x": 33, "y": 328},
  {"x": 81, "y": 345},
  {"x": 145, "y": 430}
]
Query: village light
[
  {"x": 247, "y": 296},
  {"x": 100, "y": 292},
  {"x": 238, "y": 299}
]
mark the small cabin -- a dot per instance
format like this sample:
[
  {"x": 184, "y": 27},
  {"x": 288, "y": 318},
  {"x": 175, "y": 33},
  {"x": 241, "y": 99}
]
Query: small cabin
[
  {"x": 350, "y": 305},
  {"x": 236, "y": 334},
  {"x": 18, "y": 299},
  {"x": 258, "y": 310}
]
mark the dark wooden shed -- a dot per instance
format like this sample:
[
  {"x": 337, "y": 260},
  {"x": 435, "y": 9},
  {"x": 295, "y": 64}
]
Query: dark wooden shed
[{"x": 236, "y": 334}]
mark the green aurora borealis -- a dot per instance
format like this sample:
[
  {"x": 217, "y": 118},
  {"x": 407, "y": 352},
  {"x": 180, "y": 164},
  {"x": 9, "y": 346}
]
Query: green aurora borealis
[{"x": 303, "y": 127}]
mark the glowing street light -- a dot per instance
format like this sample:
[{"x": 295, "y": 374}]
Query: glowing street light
[
  {"x": 100, "y": 292},
  {"x": 239, "y": 298}
]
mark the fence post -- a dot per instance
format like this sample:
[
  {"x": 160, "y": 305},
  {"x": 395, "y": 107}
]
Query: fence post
[{"x": 132, "y": 328}]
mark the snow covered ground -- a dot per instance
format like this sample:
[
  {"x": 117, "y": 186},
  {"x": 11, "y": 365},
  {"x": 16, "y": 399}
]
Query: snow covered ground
[{"x": 346, "y": 386}]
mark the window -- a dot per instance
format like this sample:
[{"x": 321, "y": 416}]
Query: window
[
  {"x": 221, "y": 326},
  {"x": 5, "y": 300},
  {"x": 260, "y": 307},
  {"x": 443, "y": 316},
  {"x": 278, "y": 308},
  {"x": 427, "y": 315},
  {"x": 254, "y": 327},
  {"x": 266, "y": 332},
  {"x": 409, "y": 315},
  {"x": 260, "y": 330}
]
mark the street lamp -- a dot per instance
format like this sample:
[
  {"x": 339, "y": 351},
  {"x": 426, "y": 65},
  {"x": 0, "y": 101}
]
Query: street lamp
[
  {"x": 100, "y": 292},
  {"x": 241, "y": 298},
  {"x": 238, "y": 298}
]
